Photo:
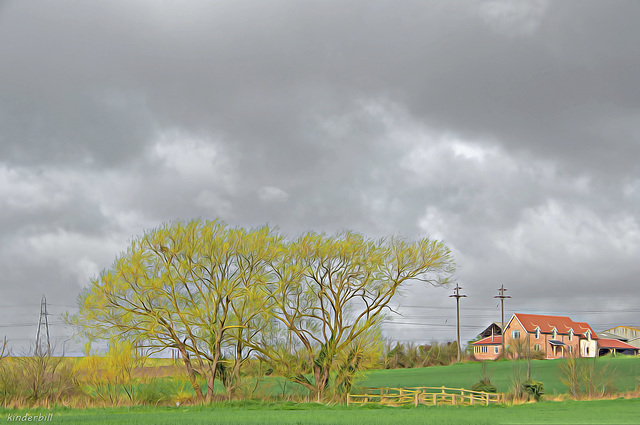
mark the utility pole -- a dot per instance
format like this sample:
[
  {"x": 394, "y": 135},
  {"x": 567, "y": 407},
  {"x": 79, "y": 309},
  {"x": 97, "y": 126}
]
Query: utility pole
[
  {"x": 502, "y": 296},
  {"x": 43, "y": 331},
  {"x": 457, "y": 296}
]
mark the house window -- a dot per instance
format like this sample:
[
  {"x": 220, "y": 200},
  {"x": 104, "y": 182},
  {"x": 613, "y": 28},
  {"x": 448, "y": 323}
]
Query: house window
[
  {"x": 515, "y": 334},
  {"x": 588, "y": 336},
  {"x": 495, "y": 349},
  {"x": 537, "y": 333},
  {"x": 555, "y": 334},
  {"x": 571, "y": 335},
  {"x": 536, "y": 347}
]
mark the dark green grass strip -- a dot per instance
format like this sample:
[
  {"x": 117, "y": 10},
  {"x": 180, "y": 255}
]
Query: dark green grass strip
[{"x": 571, "y": 412}]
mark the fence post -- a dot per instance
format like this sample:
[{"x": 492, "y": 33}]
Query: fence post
[{"x": 415, "y": 401}]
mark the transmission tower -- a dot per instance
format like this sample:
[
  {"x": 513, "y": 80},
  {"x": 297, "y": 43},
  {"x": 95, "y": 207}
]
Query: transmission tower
[{"x": 43, "y": 345}]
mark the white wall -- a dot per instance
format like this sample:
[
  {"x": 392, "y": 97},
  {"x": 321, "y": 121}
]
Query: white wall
[{"x": 588, "y": 348}]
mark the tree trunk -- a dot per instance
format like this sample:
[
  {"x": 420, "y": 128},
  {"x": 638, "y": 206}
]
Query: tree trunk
[
  {"x": 191, "y": 372},
  {"x": 317, "y": 372},
  {"x": 213, "y": 368},
  {"x": 211, "y": 380}
]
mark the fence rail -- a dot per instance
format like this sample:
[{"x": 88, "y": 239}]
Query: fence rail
[{"x": 430, "y": 396}]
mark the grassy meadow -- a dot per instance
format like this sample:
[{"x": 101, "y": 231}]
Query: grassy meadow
[
  {"x": 158, "y": 386},
  {"x": 624, "y": 371},
  {"x": 619, "y": 411}
]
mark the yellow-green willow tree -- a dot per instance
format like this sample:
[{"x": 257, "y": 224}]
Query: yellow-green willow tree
[
  {"x": 183, "y": 286},
  {"x": 331, "y": 292},
  {"x": 313, "y": 304}
]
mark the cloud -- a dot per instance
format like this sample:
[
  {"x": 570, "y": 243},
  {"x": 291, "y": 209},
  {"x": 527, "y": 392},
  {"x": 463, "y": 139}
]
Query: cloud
[
  {"x": 272, "y": 194},
  {"x": 519, "y": 17},
  {"x": 508, "y": 129},
  {"x": 24, "y": 190},
  {"x": 191, "y": 157},
  {"x": 566, "y": 239}
]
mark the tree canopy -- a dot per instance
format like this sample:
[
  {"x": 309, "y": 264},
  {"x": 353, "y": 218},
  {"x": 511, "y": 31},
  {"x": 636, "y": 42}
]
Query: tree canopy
[{"x": 220, "y": 294}]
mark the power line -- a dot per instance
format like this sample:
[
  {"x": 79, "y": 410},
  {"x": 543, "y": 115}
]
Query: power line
[{"x": 618, "y": 310}]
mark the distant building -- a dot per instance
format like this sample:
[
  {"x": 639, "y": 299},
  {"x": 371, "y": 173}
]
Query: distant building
[
  {"x": 628, "y": 334},
  {"x": 488, "y": 348},
  {"x": 615, "y": 346},
  {"x": 493, "y": 329},
  {"x": 554, "y": 336}
]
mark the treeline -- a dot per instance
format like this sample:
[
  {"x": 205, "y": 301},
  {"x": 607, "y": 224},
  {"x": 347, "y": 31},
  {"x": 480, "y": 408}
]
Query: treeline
[
  {"x": 308, "y": 309},
  {"x": 408, "y": 355},
  {"x": 122, "y": 376}
]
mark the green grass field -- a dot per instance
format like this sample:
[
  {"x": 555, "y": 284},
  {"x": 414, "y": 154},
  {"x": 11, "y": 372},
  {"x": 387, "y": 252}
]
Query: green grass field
[
  {"x": 625, "y": 372},
  {"x": 619, "y": 411}
]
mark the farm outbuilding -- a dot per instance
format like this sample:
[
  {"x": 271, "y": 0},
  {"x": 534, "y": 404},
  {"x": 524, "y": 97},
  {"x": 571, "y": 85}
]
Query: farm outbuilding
[
  {"x": 628, "y": 334},
  {"x": 614, "y": 346}
]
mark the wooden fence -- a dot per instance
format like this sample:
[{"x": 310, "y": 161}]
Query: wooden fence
[{"x": 430, "y": 396}]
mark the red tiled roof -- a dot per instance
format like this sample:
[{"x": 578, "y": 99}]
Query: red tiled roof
[
  {"x": 614, "y": 343},
  {"x": 490, "y": 340},
  {"x": 546, "y": 324}
]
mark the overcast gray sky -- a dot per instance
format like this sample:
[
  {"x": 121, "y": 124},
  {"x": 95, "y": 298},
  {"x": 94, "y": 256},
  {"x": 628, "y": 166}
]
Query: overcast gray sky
[{"x": 508, "y": 129}]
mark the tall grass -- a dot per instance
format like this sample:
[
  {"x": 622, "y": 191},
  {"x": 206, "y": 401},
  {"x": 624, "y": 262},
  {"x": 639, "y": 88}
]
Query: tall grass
[
  {"x": 587, "y": 378},
  {"x": 39, "y": 380}
]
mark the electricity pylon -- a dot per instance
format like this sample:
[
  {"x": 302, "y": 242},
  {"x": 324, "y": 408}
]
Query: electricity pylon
[{"x": 43, "y": 345}]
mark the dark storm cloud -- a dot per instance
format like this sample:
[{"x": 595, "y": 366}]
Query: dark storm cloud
[{"x": 507, "y": 128}]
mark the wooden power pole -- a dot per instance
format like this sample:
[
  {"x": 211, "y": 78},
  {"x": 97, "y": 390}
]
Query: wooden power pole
[
  {"x": 457, "y": 296},
  {"x": 502, "y": 296}
]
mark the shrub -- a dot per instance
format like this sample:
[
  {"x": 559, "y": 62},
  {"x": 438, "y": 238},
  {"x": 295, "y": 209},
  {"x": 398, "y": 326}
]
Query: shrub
[
  {"x": 153, "y": 392},
  {"x": 534, "y": 388},
  {"x": 484, "y": 386},
  {"x": 584, "y": 378}
]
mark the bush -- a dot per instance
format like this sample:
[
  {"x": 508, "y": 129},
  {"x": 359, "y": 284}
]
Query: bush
[
  {"x": 484, "y": 384},
  {"x": 153, "y": 392},
  {"x": 534, "y": 388},
  {"x": 485, "y": 387},
  {"x": 584, "y": 379}
]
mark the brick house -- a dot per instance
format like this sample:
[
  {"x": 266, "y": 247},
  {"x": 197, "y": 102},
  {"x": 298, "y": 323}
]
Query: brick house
[
  {"x": 554, "y": 336},
  {"x": 488, "y": 348}
]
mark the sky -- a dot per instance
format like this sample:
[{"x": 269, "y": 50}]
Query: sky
[{"x": 510, "y": 130}]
